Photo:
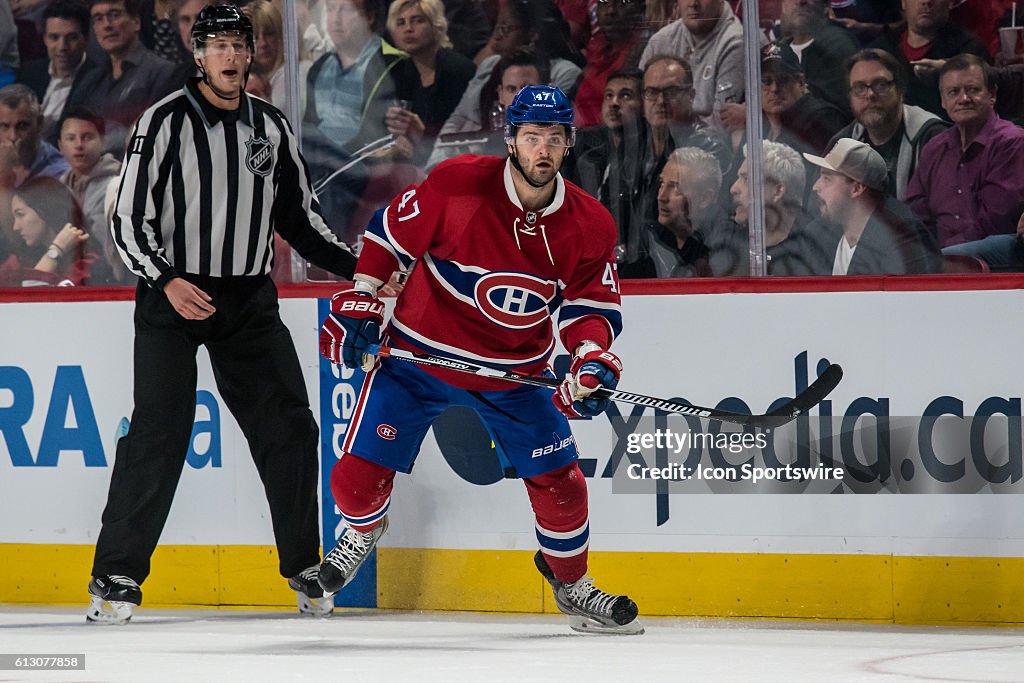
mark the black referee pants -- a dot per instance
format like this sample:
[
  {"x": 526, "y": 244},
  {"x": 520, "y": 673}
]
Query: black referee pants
[{"x": 258, "y": 376}]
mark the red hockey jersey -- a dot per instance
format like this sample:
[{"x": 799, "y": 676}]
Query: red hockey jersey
[{"x": 491, "y": 275}]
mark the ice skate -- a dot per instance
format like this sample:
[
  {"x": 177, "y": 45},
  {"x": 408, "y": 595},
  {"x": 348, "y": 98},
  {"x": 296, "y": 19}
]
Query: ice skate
[
  {"x": 590, "y": 609},
  {"x": 341, "y": 564},
  {"x": 114, "y": 598},
  {"x": 310, "y": 595}
]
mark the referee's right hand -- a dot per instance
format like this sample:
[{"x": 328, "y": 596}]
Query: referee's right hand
[{"x": 189, "y": 301}]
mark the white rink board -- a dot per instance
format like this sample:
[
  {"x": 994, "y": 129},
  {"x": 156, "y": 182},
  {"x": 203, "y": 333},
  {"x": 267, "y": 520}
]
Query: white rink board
[
  {"x": 63, "y": 504},
  {"x": 910, "y": 347}
]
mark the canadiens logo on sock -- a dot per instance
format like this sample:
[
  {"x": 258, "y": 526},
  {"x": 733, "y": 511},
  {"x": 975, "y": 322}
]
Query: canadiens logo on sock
[{"x": 386, "y": 431}]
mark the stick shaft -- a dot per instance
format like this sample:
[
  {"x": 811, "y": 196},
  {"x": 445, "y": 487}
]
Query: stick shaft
[{"x": 791, "y": 410}]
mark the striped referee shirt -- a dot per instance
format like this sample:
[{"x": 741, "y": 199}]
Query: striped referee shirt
[{"x": 203, "y": 189}]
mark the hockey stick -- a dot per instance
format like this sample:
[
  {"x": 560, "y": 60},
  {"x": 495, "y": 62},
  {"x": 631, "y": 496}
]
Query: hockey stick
[
  {"x": 370, "y": 148},
  {"x": 807, "y": 399}
]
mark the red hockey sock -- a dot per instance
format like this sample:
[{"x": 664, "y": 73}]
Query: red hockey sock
[
  {"x": 559, "y": 502},
  {"x": 361, "y": 490}
]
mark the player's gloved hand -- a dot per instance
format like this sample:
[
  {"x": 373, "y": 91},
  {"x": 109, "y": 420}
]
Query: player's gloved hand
[
  {"x": 351, "y": 326},
  {"x": 593, "y": 370}
]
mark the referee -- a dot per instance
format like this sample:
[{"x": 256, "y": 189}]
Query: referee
[{"x": 210, "y": 174}]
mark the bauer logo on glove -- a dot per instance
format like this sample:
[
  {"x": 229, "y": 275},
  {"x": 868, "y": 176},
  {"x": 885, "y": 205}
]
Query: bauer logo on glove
[
  {"x": 373, "y": 306},
  {"x": 352, "y": 325}
]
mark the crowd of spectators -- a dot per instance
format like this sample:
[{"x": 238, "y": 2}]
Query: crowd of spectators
[{"x": 892, "y": 139}]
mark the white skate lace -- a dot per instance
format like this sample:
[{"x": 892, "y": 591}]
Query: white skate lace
[
  {"x": 309, "y": 574},
  {"x": 594, "y": 600},
  {"x": 351, "y": 548},
  {"x": 123, "y": 580}
]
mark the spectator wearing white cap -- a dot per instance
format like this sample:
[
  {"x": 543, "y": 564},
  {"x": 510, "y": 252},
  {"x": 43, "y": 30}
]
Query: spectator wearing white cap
[{"x": 879, "y": 235}]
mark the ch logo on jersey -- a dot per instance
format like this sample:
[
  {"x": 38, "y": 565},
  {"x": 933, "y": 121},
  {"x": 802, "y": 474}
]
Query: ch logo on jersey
[
  {"x": 259, "y": 157},
  {"x": 514, "y": 300},
  {"x": 387, "y": 432}
]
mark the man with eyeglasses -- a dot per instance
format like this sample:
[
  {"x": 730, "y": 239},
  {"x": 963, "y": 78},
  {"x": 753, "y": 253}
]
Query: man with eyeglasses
[
  {"x": 709, "y": 36},
  {"x": 508, "y": 252},
  {"x": 671, "y": 122},
  {"x": 877, "y": 82},
  {"x": 131, "y": 78},
  {"x": 969, "y": 184},
  {"x": 794, "y": 115}
]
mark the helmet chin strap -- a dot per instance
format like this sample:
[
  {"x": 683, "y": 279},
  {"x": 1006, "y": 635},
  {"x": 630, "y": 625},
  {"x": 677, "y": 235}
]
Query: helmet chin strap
[
  {"x": 216, "y": 91},
  {"x": 519, "y": 167}
]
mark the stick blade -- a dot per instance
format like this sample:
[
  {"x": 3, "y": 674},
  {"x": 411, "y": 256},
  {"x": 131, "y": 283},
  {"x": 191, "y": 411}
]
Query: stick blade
[{"x": 809, "y": 398}]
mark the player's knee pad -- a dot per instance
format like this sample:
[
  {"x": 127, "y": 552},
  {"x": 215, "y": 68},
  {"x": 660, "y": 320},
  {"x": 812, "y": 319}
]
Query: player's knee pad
[
  {"x": 559, "y": 498},
  {"x": 361, "y": 488}
]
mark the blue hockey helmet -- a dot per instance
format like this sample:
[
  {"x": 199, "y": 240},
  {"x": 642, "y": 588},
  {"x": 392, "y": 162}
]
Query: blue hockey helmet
[{"x": 541, "y": 105}]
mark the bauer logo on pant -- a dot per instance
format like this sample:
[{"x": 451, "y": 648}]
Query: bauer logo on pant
[
  {"x": 259, "y": 156},
  {"x": 388, "y": 432}
]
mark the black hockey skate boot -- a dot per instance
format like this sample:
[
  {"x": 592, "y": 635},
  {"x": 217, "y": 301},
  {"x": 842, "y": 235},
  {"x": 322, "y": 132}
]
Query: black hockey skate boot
[
  {"x": 114, "y": 598},
  {"x": 310, "y": 596},
  {"x": 341, "y": 564},
  {"x": 590, "y": 609}
]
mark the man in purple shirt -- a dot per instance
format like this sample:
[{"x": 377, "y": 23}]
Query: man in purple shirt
[{"x": 969, "y": 182}]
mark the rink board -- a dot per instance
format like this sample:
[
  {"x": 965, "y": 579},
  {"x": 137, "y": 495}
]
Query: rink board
[{"x": 65, "y": 383}]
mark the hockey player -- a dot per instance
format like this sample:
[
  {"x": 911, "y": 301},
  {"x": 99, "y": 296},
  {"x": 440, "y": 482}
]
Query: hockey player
[{"x": 503, "y": 245}]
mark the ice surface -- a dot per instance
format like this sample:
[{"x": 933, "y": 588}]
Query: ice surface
[{"x": 196, "y": 646}]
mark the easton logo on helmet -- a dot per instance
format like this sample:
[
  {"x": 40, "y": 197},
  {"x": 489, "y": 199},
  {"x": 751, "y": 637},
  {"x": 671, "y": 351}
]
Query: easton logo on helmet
[{"x": 543, "y": 105}]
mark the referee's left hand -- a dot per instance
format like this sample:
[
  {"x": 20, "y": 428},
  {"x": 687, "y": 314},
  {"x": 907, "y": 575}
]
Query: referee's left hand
[{"x": 189, "y": 301}]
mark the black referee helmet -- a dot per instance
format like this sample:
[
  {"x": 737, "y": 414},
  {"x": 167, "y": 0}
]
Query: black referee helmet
[
  {"x": 217, "y": 19},
  {"x": 214, "y": 20}
]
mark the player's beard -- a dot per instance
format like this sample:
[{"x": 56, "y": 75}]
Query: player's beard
[{"x": 538, "y": 177}]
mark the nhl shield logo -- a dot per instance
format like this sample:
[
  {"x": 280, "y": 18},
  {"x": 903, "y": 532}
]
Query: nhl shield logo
[{"x": 259, "y": 157}]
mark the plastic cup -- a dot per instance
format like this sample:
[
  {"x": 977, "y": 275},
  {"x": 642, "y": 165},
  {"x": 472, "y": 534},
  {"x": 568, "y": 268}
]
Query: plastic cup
[{"x": 1010, "y": 40}]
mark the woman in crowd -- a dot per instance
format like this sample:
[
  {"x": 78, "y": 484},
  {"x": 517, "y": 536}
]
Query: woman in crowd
[
  {"x": 53, "y": 250},
  {"x": 435, "y": 77},
  {"x": 267, "y": 79}
]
